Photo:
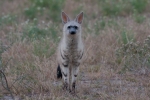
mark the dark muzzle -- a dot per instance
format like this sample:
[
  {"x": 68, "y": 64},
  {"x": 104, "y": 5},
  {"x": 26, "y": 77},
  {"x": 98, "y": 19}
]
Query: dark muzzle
[{"x": 72, "y": 31}]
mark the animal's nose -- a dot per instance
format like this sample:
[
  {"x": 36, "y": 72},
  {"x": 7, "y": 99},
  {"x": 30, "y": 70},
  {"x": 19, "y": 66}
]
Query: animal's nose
[{"x": 72, "y": 32}]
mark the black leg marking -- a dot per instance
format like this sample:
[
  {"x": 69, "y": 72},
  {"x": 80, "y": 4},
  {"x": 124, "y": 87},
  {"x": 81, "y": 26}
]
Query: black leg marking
[
  {"x": 64, "y": 74},
  {"x": 75, "y": 75},
  {"x": 73, "y": 87},
  {"x": 65, "y": 86},
  {"x": 66, "y": 56},
  {"x": 81, "y": 56},
  {"x": 59, "y": 74},
  {"x": 65, "y": 65}
]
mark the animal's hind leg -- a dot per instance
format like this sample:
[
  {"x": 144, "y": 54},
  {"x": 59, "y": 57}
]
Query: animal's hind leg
[
  {"x": 59, "y": 73},
  {"x": 75, "y": 71}
]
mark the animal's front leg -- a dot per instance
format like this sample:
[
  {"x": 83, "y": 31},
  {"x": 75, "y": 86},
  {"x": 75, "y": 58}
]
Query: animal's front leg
[
  {"x": 75, "y": 70},
  {"x": 65, "y": 74}
]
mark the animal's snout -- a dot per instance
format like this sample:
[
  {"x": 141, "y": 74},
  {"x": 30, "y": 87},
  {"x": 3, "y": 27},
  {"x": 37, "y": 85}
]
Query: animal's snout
[{"x": 72, "y": 31}]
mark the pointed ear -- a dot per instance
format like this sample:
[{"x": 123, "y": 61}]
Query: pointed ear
[
  {"x": 64, "y": 17},
  {"x": 79, "y": 18}
]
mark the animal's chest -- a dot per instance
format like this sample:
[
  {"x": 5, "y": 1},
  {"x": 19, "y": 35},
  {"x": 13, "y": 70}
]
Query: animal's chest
[
  {"x": 72, "y": 54},
  {"x": 72, "y": 57}
]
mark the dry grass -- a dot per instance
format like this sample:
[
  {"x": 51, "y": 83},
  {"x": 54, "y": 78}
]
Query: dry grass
[
  {"x": 31, "y": 61},
  {"x": 13, "y": 6}
]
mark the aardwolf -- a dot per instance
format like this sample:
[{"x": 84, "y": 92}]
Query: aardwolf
[{"x": 70, "y": 51}]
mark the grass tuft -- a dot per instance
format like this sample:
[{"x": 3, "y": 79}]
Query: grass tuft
[
  {"x": 7, "y": 19},
  {"x": 40, "y": 7},
  {"x": 134, "y": 55},
  {"x": 122, "y": 8}
]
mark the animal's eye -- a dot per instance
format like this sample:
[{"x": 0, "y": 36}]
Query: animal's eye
[
  {"x": 69, "y": 27},
  {"x": 75, "y": 27}
]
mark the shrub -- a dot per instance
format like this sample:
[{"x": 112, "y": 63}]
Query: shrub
[
  {"x": 122, "y": 7},
  {"x": 134, "y": 55},
  {"x": 32, "y": 31},
  {"x": 7, "y": 19},
  {"x": 51, "y": 8}
]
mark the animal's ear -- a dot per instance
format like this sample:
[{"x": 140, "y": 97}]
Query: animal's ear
[
  {"x": 64, "y": 17},
  {"x": 79, "y": 18}
]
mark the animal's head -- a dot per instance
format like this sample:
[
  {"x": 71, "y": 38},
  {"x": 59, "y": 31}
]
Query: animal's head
[{"x": 72, "y": 27}]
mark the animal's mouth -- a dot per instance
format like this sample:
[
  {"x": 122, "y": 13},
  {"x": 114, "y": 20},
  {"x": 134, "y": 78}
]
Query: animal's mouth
[{"x": 72, "y": 35}]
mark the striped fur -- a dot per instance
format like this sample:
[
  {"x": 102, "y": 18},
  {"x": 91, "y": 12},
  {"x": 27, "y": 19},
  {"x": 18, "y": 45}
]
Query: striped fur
[{"x": 70, "y": 51}]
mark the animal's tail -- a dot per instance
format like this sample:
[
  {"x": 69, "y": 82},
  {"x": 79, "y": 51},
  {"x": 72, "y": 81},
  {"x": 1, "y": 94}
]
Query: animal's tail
[{"x": 59, "y": 74}]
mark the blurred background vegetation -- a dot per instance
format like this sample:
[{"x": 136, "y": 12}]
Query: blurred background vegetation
[{"x": 115, "y": 33}]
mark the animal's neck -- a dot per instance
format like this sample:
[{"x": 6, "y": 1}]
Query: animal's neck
[{"x": 72, "y": 43}]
